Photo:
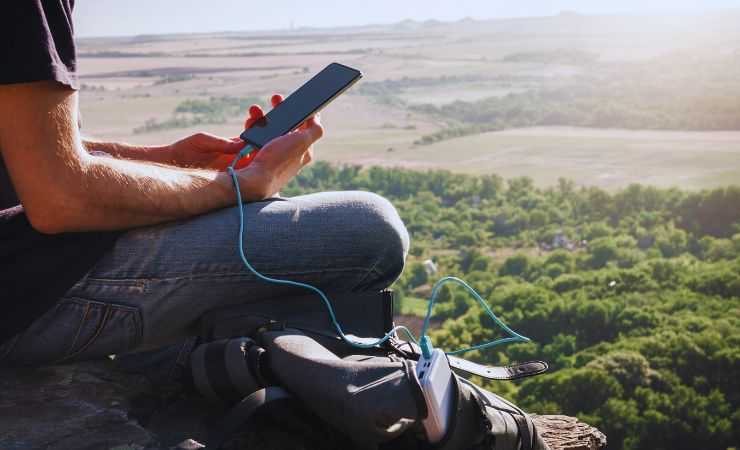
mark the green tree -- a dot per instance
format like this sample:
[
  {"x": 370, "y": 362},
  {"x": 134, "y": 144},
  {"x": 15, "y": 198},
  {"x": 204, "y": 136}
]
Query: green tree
[
  {"x": 516, "y": 265},
  {"x": 419, "y": 275},
  {"x": 602, "y": 250}
]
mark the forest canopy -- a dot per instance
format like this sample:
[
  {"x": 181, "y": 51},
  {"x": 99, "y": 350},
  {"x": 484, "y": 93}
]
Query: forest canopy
[{"x": 633, "y": 297}]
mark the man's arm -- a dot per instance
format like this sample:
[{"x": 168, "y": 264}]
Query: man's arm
[
  {"x": 160, "y": 154},
  {"x": 64, "y": 188},
  {"x": 199, "y": 151}
]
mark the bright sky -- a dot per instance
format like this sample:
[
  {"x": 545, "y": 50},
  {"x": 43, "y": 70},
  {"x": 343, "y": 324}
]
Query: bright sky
[{"x": 131, "y": 17}]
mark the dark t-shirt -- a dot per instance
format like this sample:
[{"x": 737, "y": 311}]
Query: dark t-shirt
[{"x": 36, "y": 44}]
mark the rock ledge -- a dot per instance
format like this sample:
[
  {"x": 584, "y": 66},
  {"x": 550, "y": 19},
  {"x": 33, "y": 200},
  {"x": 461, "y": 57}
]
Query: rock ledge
[{"x": 92, "y": 406}]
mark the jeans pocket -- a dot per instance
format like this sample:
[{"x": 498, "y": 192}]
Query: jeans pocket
[
  {"x": 77, "y": 329},
  {"x": 105, "y": 328}
]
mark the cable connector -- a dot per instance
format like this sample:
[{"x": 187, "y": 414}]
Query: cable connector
[
  {"x": 249, "y": 148},
  {"x": 426, "y": 347}
]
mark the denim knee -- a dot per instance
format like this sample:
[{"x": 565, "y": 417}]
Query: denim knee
[{"x": 390, "y": 238}]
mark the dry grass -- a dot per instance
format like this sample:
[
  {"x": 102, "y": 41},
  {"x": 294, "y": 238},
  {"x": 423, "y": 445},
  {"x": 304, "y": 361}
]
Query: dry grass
[{"x": 364, "y": 130}]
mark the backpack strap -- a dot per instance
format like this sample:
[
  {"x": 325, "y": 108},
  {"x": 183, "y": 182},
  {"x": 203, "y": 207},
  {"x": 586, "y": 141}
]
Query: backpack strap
[
  {"x": 511, "y": 372},
  {"x": 228, "y": 369},
  {"x": 235, "y": 419},
  {"x": 412, "y": 351}
]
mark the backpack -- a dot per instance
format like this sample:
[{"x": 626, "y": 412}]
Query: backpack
[{"x": 282, "y": 358}]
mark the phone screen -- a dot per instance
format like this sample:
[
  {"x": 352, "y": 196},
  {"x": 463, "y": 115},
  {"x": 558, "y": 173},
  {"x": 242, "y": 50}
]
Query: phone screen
[{"x": 302, "y": 104}]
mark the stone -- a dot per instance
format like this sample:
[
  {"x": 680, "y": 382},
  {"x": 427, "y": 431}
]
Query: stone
[
  {"x": 91, "y": 405},
  {"x": 189, "y": 444},
  {"x": 82, "y": 406},
  {"x": 568, "y": 433}
]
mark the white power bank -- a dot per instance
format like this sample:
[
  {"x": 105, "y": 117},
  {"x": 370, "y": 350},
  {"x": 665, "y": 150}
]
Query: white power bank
[{"x": 435, "y": 377}]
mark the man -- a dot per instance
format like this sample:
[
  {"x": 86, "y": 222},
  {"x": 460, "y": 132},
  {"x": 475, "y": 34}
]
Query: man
[{"x": 107, "y": 248}]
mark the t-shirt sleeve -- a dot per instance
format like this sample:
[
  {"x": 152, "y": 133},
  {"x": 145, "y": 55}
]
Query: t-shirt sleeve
[{"x": 37, "y": 42}]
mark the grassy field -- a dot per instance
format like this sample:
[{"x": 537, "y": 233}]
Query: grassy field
[
  {"x": 607, "y": 158},
  {"x": 412, "y": 306},
  {"x": 129, "y": 81}
]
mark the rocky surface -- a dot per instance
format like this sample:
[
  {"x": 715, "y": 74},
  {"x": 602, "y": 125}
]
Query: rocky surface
[
  {"x": 84, "y": 406},
  {"x": 93, "y": 406},
  {"x": 568, "y": 433}
]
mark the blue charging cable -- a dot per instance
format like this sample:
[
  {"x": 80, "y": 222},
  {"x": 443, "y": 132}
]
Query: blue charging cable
[{"x": 425, "y": 343}]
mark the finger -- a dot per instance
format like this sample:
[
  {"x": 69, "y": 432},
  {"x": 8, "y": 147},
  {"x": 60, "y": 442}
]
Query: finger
[
  {"x": 233, "y": 147},
  {"x": 209, "y": 143},
  {"x": 313, "y": 129},
  {"x": 212, "y": 143},
  {"x": 255, "y": 111},
  {"x": 220, "y": 163},
  {"x": 255, "y": 114},
  {"x": 310, "y": 121},
  {"x": 276, "y": 99},
  {"x": 307, "y": 157}
]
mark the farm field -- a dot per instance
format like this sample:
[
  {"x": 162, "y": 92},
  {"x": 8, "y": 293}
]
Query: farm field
[
  {"x": 596, "y": 157},
  {"x": 418, "y": 104}
]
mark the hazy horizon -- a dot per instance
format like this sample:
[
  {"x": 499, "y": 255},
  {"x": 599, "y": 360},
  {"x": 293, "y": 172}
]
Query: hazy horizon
[{"x": 103, "y": 18}]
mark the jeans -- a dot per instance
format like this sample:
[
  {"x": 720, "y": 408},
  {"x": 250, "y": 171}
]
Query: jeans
[{"x": 151, "y": 289}]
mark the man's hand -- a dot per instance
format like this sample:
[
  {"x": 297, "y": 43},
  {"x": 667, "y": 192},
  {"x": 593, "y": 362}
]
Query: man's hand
[
  {"x": 204, "y": 151},
  {"x": 201, "y": 150},
  {"x": 281, "y": 159}
]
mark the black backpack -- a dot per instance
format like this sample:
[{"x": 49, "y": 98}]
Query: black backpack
[{"x": 282, "y": 358}]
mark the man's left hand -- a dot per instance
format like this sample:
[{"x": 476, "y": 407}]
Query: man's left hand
[{"x": 204, "y": 151}]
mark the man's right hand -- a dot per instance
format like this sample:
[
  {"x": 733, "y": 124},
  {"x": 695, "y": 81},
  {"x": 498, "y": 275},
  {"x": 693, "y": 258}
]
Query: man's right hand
[{"x": 281, "y": 159}]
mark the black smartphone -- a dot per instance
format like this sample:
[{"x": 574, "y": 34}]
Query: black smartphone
[{"x": 306, "y": 101}]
